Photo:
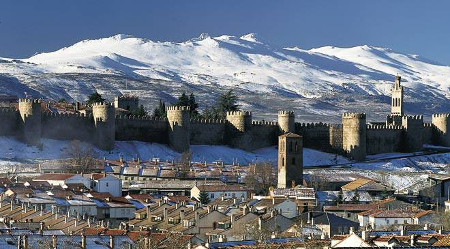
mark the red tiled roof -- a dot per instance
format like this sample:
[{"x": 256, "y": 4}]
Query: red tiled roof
[{"x": 53, "y": 177}]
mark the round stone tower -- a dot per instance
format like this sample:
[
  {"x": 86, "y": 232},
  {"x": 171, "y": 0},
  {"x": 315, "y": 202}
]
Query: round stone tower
[
  {"x": 441, "y": 123},
  {"x": 179, "y": 127},
  {"x": 105, "y": 125},
  {"x": 31, "y": 115},
  {"x": 354, "y": 135},
  {"x": 286, "y": 121},
  {"x": 241, "y": 120}
]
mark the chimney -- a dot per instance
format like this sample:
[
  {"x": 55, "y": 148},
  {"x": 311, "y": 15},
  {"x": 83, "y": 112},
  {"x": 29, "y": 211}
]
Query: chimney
[
  {"x": 165, "y": 214},
  {"x": 309, "y": 217},
  {"x": 181, "y": 216},
  {"x": 232, "y": 218},
  {"x": 41, "y": 227},
  {"x": 244, "y": 210},
  {"x": 312, "y": 221},
  {"x": 138, "y": 160},
  {"x": 54, "y": 242},
  {"x": 402, "y": 231},
  {"x": 352, "y": 231},
  {"x": 425, "y": 227},
  {"x": 19, "y": 242},
  {"x": 121, "y": 159},
  {"x": 234, "y": 201},
  {"x": 440, "y": 230},
  {"x": 12, "y": 207},
  {"x": 83, "y": 241},
  {"x": 259, "y": 223},
  {"x": 111, "y": 242},
  {"x": 208, "y": 208},
  {"x": 412, "y": 240},
  {"x": 365, "y": 235},
  {"x": 25, "y": 241},
  {"x": 222, "y": 197}
]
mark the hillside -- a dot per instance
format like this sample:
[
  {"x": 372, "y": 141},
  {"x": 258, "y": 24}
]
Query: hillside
[{"x": 319, "y": 83}]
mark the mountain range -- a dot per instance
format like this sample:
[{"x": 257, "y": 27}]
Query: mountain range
[{"x": 319, "y": 84}]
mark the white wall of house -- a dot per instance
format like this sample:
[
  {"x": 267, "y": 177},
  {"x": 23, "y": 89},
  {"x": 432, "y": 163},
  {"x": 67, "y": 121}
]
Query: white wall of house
[
  {"x": 379, "y": 222},
  {"x": 287, "y": 208},
  {"x": 109, "y": 184},
  {"x": 122, "y": 212},
  {"x": 90, "y": 210},
  {"x": 195, "y": 193},
  {"x": 79, "y": 179}
]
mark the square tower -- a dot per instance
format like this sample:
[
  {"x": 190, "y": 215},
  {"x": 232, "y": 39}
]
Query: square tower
[
  {"x": 397, "y": 98},
  {"x": 290, "y": 160}
]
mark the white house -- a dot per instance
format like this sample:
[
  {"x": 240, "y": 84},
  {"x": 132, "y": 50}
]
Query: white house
[
  {"x": 377, "y": 219},
  {"x": 348, "y": 241},
  {"x": 108, "y": 184},
  {"x": 80, "y": 205},
  {"x": 121, "y": 209},
  {"x": 216, "y": 191},
  {"x": 80, "y": 179},
  {"x": 54, "y": 179}
]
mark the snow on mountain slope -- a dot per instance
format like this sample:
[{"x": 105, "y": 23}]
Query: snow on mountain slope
[{"x": 317, "y": 82}]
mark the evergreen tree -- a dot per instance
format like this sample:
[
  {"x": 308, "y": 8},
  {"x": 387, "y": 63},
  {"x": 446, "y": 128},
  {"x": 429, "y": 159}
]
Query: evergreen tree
[
  {"x": 183, "y": 100},
  {"x": 204, "y": 198},
  {"x": 140, "y": 112},
  {"x": 160, "y": 111},
  {"x": 227, "y": 102},
  {"x": 193, "y": 105},
  {"x": 95, "y": 98}
]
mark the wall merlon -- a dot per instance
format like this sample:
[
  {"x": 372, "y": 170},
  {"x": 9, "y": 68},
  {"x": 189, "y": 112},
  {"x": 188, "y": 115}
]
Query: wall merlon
[
  {"x": 23, "y": 100},
  {"x": 289, "y": 113},
  {"x": 441, "y": 115},
  {"x": 239, "y": 113},
  {"x": 178, "y": 108},
  {"x": 413, "y": 117},
  {"x": 353, "y": 115}
]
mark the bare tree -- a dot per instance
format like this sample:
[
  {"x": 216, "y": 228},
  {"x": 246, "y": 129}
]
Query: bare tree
[
  {"x": 82, "y": 157},
  {"x": 185, "y": 164},
  {"x": 260, "y": 177}
]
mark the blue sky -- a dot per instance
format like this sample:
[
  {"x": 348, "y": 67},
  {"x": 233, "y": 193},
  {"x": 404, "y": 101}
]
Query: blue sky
[{"x": 409, "y": 26}]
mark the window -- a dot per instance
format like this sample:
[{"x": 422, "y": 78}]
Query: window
[
  {"x": 290, "y": 146},
  {"x": 293, "y": 161},
  {"x": 387, "y": 222},
  {"x": 107, "y": 184},
  {"x": 212, "y": 195},
  {"x": 282, "y": 161},
  {"x": 395, "y": 221}
]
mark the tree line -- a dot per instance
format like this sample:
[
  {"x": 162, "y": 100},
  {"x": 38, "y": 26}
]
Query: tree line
[{"x": 224, "y": 103}]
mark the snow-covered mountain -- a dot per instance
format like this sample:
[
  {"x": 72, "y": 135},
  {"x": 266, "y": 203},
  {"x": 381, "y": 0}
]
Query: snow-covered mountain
[{"x": 316, "y": 83}]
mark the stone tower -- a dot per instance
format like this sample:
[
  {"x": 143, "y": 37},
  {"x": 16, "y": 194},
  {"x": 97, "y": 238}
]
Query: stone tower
[
  {"x": 441, "y": 124},
  {"x": 354, "y": 135},
  {"x": 126, "y": 102},
  {"x": 105, "y": 125},
  {"x": 31, "y": 115},
  {"x": 241, "y": 120},
  {"x": 397, "y": 98},
  {"x": 413, "y": 125},
  {"x": 179, "y": 127},
  {"x": 290, "y": 160},
  {"x": 286, "y": 121}
]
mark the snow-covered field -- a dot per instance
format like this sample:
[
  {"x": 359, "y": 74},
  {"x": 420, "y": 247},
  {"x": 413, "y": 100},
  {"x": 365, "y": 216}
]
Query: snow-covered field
[
  {"x": 317, "y": 83},
  {"x": 12, "y": 150}
]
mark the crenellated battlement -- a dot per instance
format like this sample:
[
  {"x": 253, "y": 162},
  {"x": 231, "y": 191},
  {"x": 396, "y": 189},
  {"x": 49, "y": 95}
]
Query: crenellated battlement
[
  {"x": 66, "y": 115},
  {"x": 262, "y": 122},
  {"x": 289, "y": 113},
  {"x": 178, "y": 108},
  {"x": 24, "y": 100},
  {"x": 412, "y": 117},
  {"x": 428, "y": 125},
  {"x": 353, "y": 115},
  {"x": 147, "y": 118},
  {"x": 383, "y": 127},
  {"x": 441, "y": 115},
  {"x": 239, "y": 113},
  {"x": 105, "y": 104},
  {"x": 208, "y": 121},
  {"x": 312, "y": 125}
]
